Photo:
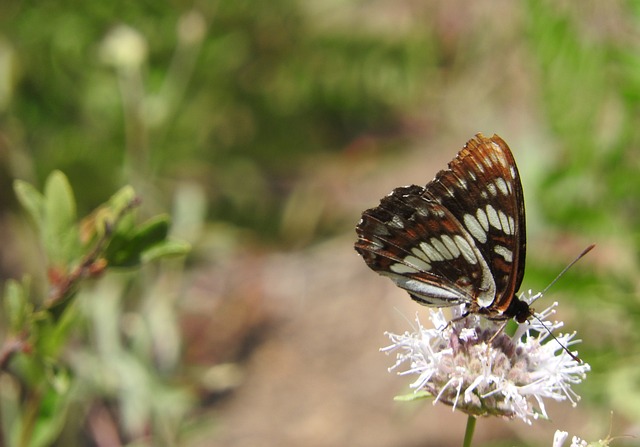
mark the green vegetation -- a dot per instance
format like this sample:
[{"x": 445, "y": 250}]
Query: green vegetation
[{"x": 250, "y": 124}]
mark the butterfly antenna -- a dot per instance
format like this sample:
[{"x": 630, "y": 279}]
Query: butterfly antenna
[
  {"x": 573, "y": 356},
  {"x": 564, "y": 270},
  {"x": 584, "y": 252}
]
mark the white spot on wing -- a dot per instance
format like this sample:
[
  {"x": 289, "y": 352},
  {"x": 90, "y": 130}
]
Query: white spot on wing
[
  {"x": 402, "y": 268},
  {"x": 446, "y": 254},
  {"x": 396, "y": 222},
  {"x": 419, "y": 253},
  {"x": 474, "y": 227},
  {"x": 430, "y": 293},
  {"x": 492, "y": 189},
  {"x": 494, "y": 154},
  {"x": 422, "y": 210},
  {"x": 465, "y": 249},
  {"x": 504, "y": 220},
  {"x": 492, "y": 215},
  {"x": 431, "y": 252},
  {"x": 482, "y": 218},
  {"x": 450, "y": 193},
  {"x": 381, "y": 230},
  {"x": 418, "y": 263},
  {"x": 504, "y": 252},
  {"x": 451, "y": 246},
  {"x": 502, "y": 186}
]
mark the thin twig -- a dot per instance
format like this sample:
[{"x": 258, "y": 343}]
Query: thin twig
[
  {"x": 12, "y": 346},
  {"x": 83, "y": 270}
]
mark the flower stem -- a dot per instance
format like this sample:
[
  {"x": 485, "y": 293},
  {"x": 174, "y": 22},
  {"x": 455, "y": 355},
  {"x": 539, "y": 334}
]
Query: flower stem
[{"x": 468, "y": 434}]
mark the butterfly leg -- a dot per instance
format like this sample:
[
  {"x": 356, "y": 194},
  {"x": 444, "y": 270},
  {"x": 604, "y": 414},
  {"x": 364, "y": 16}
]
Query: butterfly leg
[
  {"x": 498, "y": 332},
  {"x": 464, "y": 315}
]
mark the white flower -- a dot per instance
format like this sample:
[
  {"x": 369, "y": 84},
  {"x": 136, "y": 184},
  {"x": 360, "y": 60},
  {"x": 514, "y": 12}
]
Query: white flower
[
  {"x": 124, "y": 47},
  {"x": 577, "y": 442},
  {"x": 561, "y": 436},
  {"x": 474, "y": 366}
]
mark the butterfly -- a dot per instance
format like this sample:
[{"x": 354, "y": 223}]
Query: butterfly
[{"x": 461, "y": 239}]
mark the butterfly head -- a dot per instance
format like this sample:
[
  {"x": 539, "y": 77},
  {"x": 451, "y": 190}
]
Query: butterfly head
[{"x": 519, "y": 310}]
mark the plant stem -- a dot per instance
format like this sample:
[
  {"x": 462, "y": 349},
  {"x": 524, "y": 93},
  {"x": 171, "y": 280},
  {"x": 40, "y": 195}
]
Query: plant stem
[
  {"x": 468, "y": 433},
  {"x": 63, "y": 290},
  {"x": 29, "y": 417}
]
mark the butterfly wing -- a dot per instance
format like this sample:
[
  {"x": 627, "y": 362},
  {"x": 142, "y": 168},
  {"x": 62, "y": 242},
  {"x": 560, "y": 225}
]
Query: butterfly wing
[
  {"x": 482, "y": 189},
  {"x": 421, "y": 246},
  {"x": 459, "y": 240}
]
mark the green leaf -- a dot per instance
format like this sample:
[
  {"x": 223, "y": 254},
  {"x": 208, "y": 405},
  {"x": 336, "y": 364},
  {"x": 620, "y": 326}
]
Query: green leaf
[
  {"x": 126, "y": 250},
  {"x": 31, "y": 200},
  {"x": 122, "y": 199},
  {"x": 51, "y": 330},
  {"x": 51, "y": 418},
  {"x": 104, "y": 217},
  {"x": 116, "y": 205},
  {"x": 152, "y": 232},
  {"x": 15, "y": 305},
  {"x": 413, "y": 396},
  {"x": 10, "y": 409},
  {"x": 165, "y": 249},
  {"x": 60, "y": 234}
]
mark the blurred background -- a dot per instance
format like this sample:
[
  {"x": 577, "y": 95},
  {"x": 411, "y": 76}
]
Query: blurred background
[{"x": 265, "y": 129}]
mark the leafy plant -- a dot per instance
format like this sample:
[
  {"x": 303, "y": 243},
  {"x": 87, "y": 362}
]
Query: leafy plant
[{"x": 43, "y": 381}]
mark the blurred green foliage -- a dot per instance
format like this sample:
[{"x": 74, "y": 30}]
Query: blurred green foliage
[
  {"x": 590, "y": 91},
  {"x": 244, "y": 98},
  {"x": 235, "y": 95},
  {"x": 41, "y": 387}
]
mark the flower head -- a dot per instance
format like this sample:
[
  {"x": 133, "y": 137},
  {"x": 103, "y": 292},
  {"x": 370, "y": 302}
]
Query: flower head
[{"x": 474, "y": 366}]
